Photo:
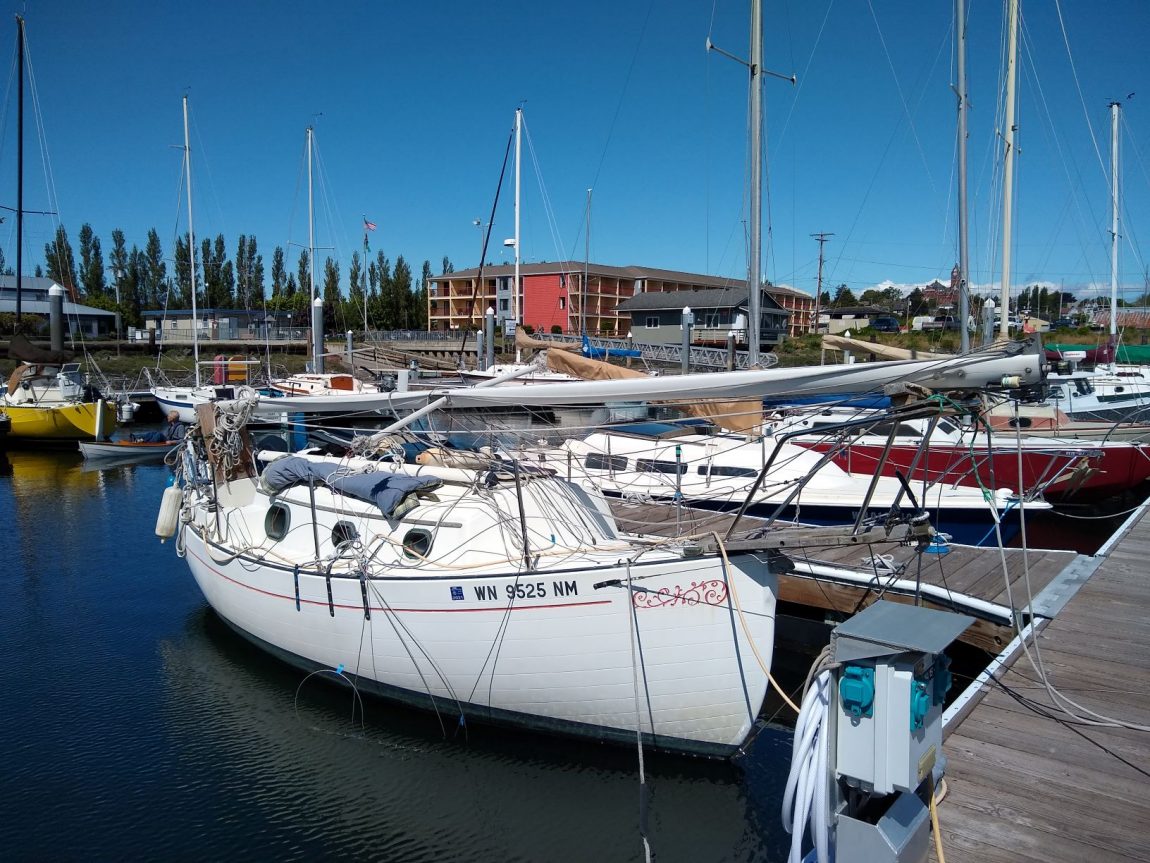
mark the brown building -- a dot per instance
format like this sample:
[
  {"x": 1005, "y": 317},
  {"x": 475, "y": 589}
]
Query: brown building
[
  {"x": 554, "y": 295},
  {"x": 942, "y": 295}
]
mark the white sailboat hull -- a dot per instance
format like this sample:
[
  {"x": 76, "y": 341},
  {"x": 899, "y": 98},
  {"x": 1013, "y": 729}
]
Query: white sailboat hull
[{"x": 549, "y": 649}]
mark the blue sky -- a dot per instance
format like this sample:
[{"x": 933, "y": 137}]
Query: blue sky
[{"x": 413, "y": 104}]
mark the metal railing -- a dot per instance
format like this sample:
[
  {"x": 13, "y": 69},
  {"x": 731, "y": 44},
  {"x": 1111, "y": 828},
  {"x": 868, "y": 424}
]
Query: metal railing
[{"x": 672, "y": 354}]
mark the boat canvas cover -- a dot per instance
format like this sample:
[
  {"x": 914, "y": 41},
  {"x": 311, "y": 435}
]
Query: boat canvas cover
[
  {"x": 385, "y": 490},
  {"x": 742, "y": 417},
  {"x": 19, "y": 348}
]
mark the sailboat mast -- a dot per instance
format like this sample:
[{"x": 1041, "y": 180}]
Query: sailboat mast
[
  {"x": 1008, "y": 165},
  {"x": 192, "y": 246},
  {"x": 313, "y": 291},
  {"x": 963, "y": 242},
  {"x": 19, "y": 164},
  {"x": 754, "y": 281},
  {"x": 1114, "y": 107},
  {"x": 586, "y": 268},
  {"x": 310, "y": 222},
  {"x": 515, "y": 288}
]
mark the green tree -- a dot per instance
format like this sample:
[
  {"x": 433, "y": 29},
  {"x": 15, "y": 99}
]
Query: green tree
[
  {"x": 118, "y": 259},
  {"x": 379, "y": 278},
  {"x": 843, "y": 297},
  {"x": 915, "y": 302},
  {"x": 219, "y": 275},
  {"x": 356, "y": 295},
  {"x": 242, "y": 292},
  {"x": 255, "y": 266},
  {"x": 61, "y": 262},
  {"x": 332, "y": 300},
  {"x": 153, "y": 272},
  {"x": 91, "y": 263},
  {"x": 279, "y": 274},
  {"x": 447, "y": 266},
  {"x": 400, "y": 296},
  {"x": 303, "y": 271},
  {"x": 420, "y": 322},
  {"x": 182, "y": 295}
]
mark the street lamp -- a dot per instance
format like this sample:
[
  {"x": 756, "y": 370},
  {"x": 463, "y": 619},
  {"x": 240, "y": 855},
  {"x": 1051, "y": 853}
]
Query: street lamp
[{"x": 482, "y": 226}]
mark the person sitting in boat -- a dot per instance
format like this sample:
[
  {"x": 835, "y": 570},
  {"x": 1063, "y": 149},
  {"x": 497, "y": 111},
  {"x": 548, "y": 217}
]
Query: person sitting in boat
[{"x": 173, "y": 430}]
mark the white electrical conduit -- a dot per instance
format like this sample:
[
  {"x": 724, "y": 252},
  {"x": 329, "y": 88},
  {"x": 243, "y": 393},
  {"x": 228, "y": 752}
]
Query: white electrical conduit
[{"x": 805, "y": 799}]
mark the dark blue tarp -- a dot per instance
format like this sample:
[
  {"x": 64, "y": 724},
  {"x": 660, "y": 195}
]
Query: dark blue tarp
[{"x": 383, "y": 489}]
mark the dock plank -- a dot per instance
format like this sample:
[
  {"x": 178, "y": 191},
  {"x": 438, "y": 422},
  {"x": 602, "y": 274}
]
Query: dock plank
[{"x": 1027, "y": 787}]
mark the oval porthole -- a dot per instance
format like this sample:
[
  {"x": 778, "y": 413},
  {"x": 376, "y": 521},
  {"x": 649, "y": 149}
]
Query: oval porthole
[
  {"x": 343, "y": 533},
  {"x": 417, "y": 543},
  {"x": 1021, "y": 422},
  {"x": 277, "y": 521}
]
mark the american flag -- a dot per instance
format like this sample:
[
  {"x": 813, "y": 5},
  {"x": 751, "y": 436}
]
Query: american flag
[{"x": 368, "y": 226}]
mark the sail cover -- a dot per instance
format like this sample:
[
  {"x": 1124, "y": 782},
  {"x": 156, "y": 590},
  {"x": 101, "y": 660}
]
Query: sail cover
[{"x": 970, "y": 371}]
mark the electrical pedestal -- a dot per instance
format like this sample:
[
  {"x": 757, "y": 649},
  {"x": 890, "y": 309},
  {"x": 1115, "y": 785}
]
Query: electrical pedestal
[{"x": 886, "y": 729}]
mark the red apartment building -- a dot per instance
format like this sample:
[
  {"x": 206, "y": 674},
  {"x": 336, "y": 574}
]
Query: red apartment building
[{"x": 556, "y": 295}]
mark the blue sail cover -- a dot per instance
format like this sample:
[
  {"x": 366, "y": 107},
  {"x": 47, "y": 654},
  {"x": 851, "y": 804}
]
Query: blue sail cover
[{"x": 384, "y": 489}]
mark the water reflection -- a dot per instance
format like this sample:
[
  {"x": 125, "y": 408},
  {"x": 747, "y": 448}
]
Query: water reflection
[{"x": 392, "y": 788}]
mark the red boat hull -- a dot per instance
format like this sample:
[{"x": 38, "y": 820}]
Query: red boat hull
[{"x": 1060, "y": 473}]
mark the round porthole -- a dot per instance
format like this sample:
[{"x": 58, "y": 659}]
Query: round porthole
[
  {"x": 277, "y": 521},
  {"x": 417, "y": 543},
  {"x": 1021, "y": 422},
  {"x": 343, "y": 533}
]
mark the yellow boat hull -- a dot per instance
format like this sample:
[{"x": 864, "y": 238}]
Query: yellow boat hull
[{"x": 84, "y": 421}]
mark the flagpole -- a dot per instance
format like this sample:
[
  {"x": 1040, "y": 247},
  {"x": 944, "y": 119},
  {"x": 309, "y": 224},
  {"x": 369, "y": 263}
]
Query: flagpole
[{"x": 363, "y": 278}]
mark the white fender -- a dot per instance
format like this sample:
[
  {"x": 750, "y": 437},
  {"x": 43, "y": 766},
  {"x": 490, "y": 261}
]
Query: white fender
[{"x": 169, "y": 515}]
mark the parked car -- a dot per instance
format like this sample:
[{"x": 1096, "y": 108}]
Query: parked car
[
  {"x": 885, "y": 324},
  {"x": 943, "y": 322},
  {"x": 1063, "y": 324}
]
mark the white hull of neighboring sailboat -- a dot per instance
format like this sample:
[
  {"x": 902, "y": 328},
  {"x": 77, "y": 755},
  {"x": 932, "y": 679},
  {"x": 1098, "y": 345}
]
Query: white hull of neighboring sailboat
[{"x": 184, "y": 400}]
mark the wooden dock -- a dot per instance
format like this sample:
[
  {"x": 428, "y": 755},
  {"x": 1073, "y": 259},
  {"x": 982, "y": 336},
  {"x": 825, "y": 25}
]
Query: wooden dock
[{"x": 1028, "y": 783}]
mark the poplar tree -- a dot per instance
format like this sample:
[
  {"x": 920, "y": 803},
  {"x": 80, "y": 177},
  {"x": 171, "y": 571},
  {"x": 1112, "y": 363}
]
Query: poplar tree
[
  {"x": 400, "y": 298},
  {"x": 331, "y": 295},
  {"x": 356, "y": 295},
  {"x": 279, "y": 274},
  {"x": 303, "y": 274},
  {"x": 255, "y": 262},
  {"x": 118, "y": 259},
  {"x": 154, "y": 271},
  {"x": 61, "y": 262},
  {"x": 420, "y": 321},
  {"x": 91, "y": 264},
  {"x": 182, "y": 297}
]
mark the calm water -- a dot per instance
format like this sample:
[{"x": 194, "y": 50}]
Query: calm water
[{"x": 135, "y": 725}]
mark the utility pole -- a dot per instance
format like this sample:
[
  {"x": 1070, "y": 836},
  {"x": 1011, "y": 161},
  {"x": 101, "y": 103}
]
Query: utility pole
[{"x": 821, "y": 236}]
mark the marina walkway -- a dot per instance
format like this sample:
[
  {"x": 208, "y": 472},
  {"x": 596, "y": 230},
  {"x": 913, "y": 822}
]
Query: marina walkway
[{"x": 1028, "y": 783}]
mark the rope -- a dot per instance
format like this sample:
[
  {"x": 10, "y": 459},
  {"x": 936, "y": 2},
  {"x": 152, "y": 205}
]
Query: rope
[
  {"x": 743, "y": 622},
  {"x": 644, "y": 794}
]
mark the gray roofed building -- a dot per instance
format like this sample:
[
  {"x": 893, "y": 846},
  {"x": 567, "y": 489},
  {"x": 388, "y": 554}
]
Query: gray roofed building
[{"x": 81, "y": 320}]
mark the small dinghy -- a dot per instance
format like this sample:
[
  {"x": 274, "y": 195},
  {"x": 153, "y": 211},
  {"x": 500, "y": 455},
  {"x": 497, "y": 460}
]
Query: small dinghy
[{"x": 126, "y": 449}]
